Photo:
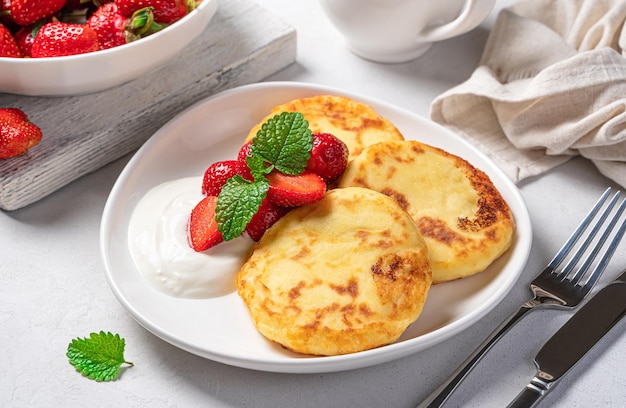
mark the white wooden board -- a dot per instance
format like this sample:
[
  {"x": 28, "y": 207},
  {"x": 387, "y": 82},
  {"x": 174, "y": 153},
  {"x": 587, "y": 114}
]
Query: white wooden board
[{"x": 243, "y": 43}]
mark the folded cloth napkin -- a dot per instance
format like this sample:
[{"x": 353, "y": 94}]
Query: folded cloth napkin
[{"x": 551, "y": 84}]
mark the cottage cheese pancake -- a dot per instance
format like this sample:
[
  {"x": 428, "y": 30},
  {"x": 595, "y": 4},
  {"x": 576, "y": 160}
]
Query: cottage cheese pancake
[
  {"x": 463, "y": 218},
  {"x": 355, "y": 123},
  {"x": 345, "y": 274}
]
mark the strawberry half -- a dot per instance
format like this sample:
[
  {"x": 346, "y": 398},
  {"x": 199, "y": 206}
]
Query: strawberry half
[
  {"x": 17, "y": 134},
  {"x": 294, "y": 191},
  {"x": 202, "y": 231},
  {"x": 265, "y": 217},
  {"x": 329, "y": 156},
  {"x": 216, "y": 175}
]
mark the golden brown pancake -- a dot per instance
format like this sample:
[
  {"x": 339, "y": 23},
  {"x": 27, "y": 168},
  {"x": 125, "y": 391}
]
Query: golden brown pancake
[
  {"x": 345, "y": 274},
  {"x": 355, "y": 123},
  {"x": 463, "y": 218}
]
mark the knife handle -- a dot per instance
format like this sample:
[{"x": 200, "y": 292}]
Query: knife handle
[
  {"x": 441, "y": 394},
  {"x": 532, "y": 394}
]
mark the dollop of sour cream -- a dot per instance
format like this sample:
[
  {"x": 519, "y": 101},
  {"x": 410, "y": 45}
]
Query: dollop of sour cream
[{"x": 157, "y": 239}]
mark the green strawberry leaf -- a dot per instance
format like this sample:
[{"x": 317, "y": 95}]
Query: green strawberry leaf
[
  {"x": 98, "y": 357},
  {"x": 284, "y": 141},
  {"x": 237, "y": 203}
]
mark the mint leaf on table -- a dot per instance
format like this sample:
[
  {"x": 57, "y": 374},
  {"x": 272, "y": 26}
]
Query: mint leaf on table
[
  {"x": 285, "y": 141},
  {"x": 98, "y": 357},
  {"x": 237, "y": 203}
]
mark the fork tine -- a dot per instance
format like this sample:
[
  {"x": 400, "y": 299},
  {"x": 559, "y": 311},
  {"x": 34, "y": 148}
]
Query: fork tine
[
  {"x": 567, "y": 247},
  {"x": 583, "y": 247},
  {"x": 593, "y": 277}
]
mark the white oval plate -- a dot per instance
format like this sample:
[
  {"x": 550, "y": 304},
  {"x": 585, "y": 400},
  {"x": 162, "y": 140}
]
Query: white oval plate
[{"x": 220, "y": 328}]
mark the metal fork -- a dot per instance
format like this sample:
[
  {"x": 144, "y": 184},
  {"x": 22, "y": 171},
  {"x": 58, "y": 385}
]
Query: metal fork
[{"x": 557, "y": 286}]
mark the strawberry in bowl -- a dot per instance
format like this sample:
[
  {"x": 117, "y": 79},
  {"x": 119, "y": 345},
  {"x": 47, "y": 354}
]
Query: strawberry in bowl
[{"x": 70, "y": 47}]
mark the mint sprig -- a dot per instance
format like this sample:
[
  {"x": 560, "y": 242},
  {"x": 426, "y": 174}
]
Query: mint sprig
[
  {"x": 98, "y": 357},
  {"x": 237, "y": 203},
  {"x": 283, "y": 143}
]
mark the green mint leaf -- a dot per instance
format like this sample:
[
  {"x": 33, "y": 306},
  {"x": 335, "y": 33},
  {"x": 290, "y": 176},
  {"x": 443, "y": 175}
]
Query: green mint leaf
[
  {"x": 258, "y": 167},
  {"x": 284, "y": 141},
  {"x": 98, "y": 357},
  {"x": 237, "y": 203}
]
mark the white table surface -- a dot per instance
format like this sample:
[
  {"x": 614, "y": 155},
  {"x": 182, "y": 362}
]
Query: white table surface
[{"x": 53, "y": 288}]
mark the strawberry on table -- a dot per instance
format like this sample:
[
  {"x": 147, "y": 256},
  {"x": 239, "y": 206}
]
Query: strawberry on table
[
  {"x": 293, "y": 191},
  {"x": 17, "y": 133},
  {"x": 202, "y": 232},
  {"x": 8, "y": 45},
  {"x": 165, "y": 11},
  {"x": 216, "y": 175},
  {"x": 56, "y": 39},
  {"x": 25, "y": 12}
]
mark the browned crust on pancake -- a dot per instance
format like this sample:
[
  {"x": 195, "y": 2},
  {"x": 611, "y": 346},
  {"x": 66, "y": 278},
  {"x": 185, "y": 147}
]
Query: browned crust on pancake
[
  {"x": 468, "y": 236},
  {"x": 349, "y": 120},
  {"x": 319, "y": 285}
]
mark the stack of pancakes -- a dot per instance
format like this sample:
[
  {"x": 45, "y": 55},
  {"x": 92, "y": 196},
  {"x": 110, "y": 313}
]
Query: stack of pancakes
[{"x": 353, "y": 271}]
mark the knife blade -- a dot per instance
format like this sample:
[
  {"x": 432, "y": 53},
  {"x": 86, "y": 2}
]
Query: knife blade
[{"x": 572, "y": 341}]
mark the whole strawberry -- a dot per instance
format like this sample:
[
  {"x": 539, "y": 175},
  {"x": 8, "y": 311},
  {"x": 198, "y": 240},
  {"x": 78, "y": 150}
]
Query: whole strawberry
[
  {"x": 242, "y": 156},
  {"x": 267, "y": 215},
  {"x": 329, "y": 156},
  {"x": 17, "y": 133},
  {"x": 114, "y": 29},
  {"x": 5, "y": 16},
  {"x": 25, "y": 37},
  {"x": 25, "y": 12},
  {"x": 8, "y": 45},
  {"x": 57, "y": 39},
  {"x": 216, "y": 175},
  {"x": 165, "y": 11}
]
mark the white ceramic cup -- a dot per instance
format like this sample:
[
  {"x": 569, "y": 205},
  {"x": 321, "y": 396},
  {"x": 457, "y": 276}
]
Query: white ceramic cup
[{"x": 395, "y": 31}]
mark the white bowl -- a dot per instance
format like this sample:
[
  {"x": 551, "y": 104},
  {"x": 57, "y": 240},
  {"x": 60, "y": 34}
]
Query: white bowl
[{"x": 97, "y": 71}]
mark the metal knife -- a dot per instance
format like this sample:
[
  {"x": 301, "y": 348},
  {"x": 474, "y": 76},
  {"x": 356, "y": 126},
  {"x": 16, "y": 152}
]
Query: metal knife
[{"x": 574, "y": 340}]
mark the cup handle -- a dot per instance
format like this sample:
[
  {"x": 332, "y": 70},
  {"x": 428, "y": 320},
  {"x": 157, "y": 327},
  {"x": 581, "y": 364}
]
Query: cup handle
[{"x": 473, "y": 13}]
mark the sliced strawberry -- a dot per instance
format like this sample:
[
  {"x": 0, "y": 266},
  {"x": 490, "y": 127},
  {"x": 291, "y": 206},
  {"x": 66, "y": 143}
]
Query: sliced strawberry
[
  {"x": 202, "y": 231},
  {"x": 265, "y": 217},
  {"x": 294, "y": 191},
  {"x": 216, "y": 175},
  {"x": 329, "y": 156},
  {"x": 243, "y": 154}
]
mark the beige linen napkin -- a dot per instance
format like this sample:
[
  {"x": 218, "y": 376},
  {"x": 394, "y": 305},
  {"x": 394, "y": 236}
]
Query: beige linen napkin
[{"x": 551, "y": 84}]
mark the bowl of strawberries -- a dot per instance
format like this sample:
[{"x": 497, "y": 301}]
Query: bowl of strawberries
[{"x": 73, "y": 47}]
